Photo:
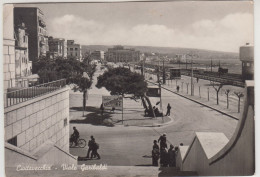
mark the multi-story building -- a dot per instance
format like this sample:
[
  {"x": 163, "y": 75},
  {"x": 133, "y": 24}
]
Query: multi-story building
[
  {"x": 33, "y": 17},
  {"x": 120, "y": 54},
  {"x": 36, "y": 121},
  {"x": 8, "y": 47},
  {"x": 57, "y": 47},
  {"x": 23, "y": 67},
  {"x": 97, "y": 55},
  {"x": 73, "y": 50}
]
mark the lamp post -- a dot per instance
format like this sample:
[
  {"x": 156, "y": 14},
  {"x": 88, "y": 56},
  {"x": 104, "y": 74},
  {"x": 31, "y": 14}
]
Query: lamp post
[{"x": 160, "y": 90}]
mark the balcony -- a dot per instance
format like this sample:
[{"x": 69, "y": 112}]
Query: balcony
[{"x": 42, "y": 23}]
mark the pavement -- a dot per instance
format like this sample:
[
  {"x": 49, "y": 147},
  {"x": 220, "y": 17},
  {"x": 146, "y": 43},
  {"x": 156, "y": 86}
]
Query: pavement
[
  {"x": 123, "y": 145},
  {"x": 201, "y": 93}
]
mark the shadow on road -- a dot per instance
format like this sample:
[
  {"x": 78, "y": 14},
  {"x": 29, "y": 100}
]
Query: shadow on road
[{"x": 93, "y": 117}]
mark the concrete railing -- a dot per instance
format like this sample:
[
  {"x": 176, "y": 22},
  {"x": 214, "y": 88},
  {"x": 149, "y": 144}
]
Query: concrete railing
[
  {"x": 211, "y": 153},
  {"x": 17, "y": 95}
]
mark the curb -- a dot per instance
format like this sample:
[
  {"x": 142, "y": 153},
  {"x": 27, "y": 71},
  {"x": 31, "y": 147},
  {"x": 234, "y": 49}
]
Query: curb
[
  {"x": 224, "y": 113},
  {"x": 157, "y": 125}
]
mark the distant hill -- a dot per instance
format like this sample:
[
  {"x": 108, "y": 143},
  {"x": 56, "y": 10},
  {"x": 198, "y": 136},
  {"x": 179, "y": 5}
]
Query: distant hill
[{"x": 170, "y": 51}]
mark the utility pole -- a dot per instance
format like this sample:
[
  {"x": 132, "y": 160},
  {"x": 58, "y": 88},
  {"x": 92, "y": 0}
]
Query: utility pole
[
  {"x": 164, "y": 79},
  {"x": 191, "y": 86},
  {"x": 211, "y": 65},
  {"x": 160, "y": 89}
]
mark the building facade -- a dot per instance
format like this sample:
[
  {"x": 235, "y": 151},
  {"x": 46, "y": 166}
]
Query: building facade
[
  {"x": 246, "y": 55},
  {"x": 74, "y": 50},
  {"x": 36, "y": 28},
  {"x": 8, "y": 47},
  {"x": 98, "y": 55},
  {"x": 57, "y": 47},
  {"x": 120, "y": 54},
  {"x": 23, "y": 67}
]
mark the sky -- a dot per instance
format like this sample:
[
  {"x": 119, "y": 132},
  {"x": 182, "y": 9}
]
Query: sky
[{"x": 211, "y": 25}]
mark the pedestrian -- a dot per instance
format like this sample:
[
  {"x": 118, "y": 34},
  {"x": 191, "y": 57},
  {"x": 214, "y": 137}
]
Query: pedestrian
[
  {"x": 94, "y": 150},
  {"x": 168, "y": 113},
  {"x": 155, "y": 145},
  {"x": 164, "y": 157},
  {"x": 176, "y": 150},
  {"x": 146, "y": 112},
  {"x": 162, "y": 140},
  {"x": 172, "y": 156},
  {"x": 178, "y": 88},
  {"x": 155, "y": 156},
  {"x": 102, "y": 109},
  {"x": 90, "y": 146}
]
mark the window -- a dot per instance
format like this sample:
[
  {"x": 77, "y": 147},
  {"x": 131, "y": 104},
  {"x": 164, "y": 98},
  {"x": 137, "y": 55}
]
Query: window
[
  {"x": 76, "y": 49},
  {"x": 71, "y": 49},
  {"x": 76, "y": 54},
  {"x": 13, "y": 141},
  {"x": 24, "y": 40}
]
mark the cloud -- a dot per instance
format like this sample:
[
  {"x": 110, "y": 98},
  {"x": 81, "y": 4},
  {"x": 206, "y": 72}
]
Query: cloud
[{"x": 226, "y": 34}]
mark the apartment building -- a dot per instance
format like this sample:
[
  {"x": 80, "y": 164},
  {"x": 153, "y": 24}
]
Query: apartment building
[
  {"x": 23, "y": 67},
  {"x": 57, "y": 47},
  {"x": 74, "y": 50},
  {"x": 97, "y": 55},
  {"x": 33, "y": 17}
]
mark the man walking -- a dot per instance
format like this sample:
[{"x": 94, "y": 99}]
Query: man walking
[
  {"x": 94, "y": 150},
  {"x": 90, "y": 146},
  {"x": 168, "y": 110}
]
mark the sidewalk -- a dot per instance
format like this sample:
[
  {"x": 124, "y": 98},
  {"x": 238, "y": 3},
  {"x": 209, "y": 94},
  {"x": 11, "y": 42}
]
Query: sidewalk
[
  {"x": 203, "y": 101},
  {"x": 133, "y": 113}
]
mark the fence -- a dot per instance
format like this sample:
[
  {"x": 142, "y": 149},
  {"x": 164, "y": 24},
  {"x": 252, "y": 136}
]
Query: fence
[{"x": 17, "y": 95}]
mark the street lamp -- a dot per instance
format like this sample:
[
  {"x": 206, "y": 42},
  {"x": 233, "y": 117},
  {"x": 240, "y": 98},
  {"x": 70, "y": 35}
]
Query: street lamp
[{"x": 160, "y": 90}]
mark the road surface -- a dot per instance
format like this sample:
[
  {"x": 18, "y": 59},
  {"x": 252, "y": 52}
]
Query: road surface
[{"x": 131, "y": 146}]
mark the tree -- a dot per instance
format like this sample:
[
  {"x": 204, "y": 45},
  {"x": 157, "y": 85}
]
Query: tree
[
  {"x": 122, "y": 81},
  {"x": 239, "y": 95},
  {"x": 217, "y": 89},
  {"x": 227, "y": 91},
  {"x": 70, "y": 69}
]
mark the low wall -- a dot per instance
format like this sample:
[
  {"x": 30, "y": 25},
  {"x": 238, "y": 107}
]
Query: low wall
[
  {"x": 212, "y": 154},
  {"x": 48, "y": 154},
  {"x": 31, "y": 123}
]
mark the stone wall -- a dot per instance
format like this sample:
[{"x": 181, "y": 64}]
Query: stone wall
[
  {"x": 211, "y": 154},
  {"x": 8, "y": 47},
  {"x": 40, "y": 119}
]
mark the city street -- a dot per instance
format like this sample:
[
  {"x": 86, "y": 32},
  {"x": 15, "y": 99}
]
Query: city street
[{"x": 131, "y": 145}]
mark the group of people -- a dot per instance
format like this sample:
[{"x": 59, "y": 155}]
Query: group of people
[
  {"x": 167, "y": 156},
  {"x": 157, "y": 112},
  {"x": 93, "y": 146}
]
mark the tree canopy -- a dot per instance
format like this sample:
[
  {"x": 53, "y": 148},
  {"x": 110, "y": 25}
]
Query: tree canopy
[
  {"x": 121, "y": 81},
  {"x": 70, "y": 69}
]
